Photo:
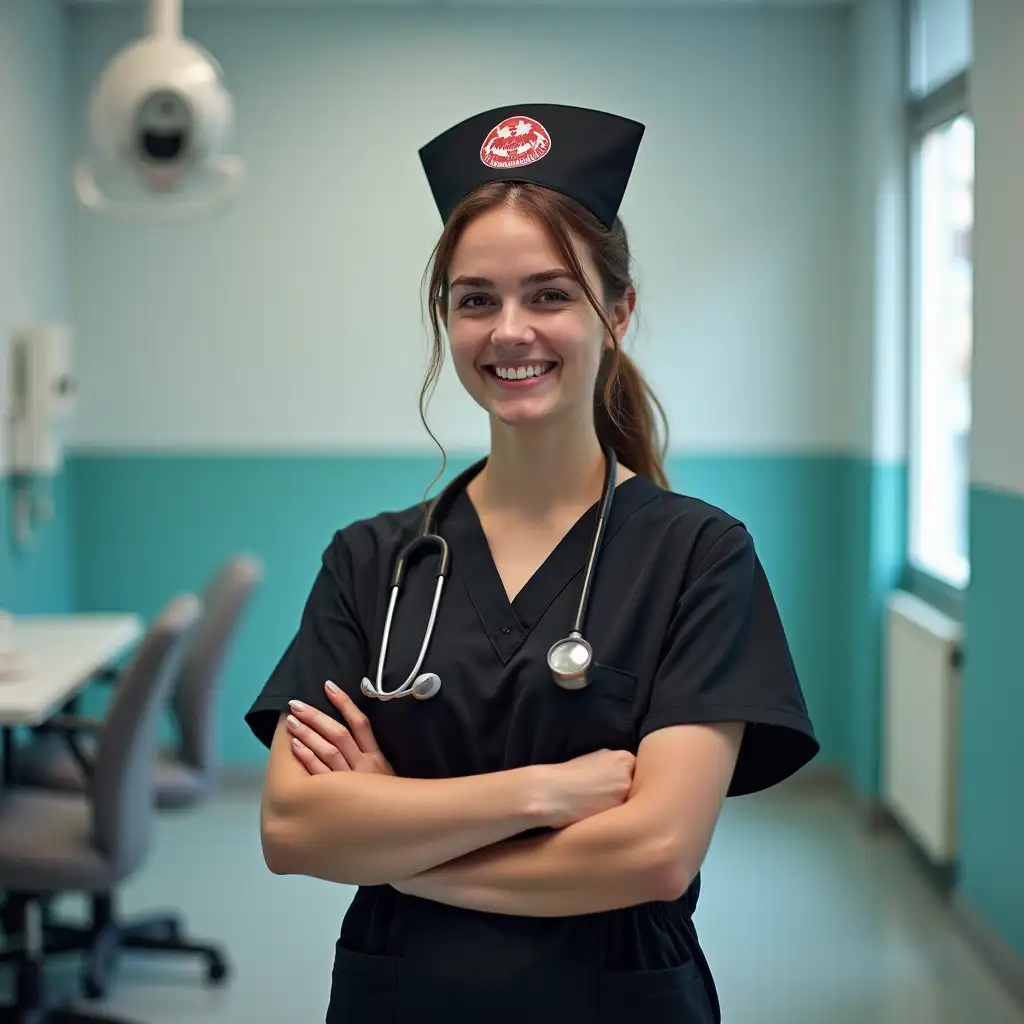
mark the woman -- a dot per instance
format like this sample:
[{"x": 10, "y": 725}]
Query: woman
[{"x": 526, "y": 848}]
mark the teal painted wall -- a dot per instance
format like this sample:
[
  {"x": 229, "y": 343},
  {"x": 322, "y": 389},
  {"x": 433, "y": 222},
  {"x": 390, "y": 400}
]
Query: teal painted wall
[
  {"x": 875, "y": 555},
  {"x": 39, "y": 578},
  {"x": 6, "y": 547},
  {"x": 992, "y": 755},
  {"x": 147, "y": 526}
]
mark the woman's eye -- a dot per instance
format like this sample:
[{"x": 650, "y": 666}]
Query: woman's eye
[
  {"x": 553, "y": 295},
  {"x": 471, "y": 301}
]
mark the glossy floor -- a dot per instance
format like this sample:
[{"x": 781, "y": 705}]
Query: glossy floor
[{"x": 805, "y": 917}]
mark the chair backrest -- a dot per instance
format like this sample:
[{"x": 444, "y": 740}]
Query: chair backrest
[
  {"x": 121, "y": 784},
  {"x": 192, "y": 704}
]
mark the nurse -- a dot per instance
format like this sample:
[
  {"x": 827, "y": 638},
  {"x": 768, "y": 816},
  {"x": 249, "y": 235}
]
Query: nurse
[{"x": 526, "y": 821}]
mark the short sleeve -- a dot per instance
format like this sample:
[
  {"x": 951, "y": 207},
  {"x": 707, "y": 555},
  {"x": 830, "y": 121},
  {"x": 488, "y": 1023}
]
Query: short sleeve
[
  {"x": 726, "y": 658},
  {"x": 328, "y": 644}
]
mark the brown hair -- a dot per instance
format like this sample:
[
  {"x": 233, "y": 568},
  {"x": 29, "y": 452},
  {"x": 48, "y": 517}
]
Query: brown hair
[{"x": 624, "y": 405}]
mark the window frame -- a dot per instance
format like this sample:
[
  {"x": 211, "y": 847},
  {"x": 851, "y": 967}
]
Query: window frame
[{"x": 923, "y": 113}]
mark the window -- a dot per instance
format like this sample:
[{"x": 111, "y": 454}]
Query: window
[
  {"x": 941, "y": 273},
  {"x": 940, "y": 42},
  {"x": 941, "y": 351}
]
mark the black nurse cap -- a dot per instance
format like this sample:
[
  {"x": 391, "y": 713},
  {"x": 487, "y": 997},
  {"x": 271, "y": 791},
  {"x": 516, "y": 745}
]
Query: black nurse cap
[{"x": 585, "y": 154}]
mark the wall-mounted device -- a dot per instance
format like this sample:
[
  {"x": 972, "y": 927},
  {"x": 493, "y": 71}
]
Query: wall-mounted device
[
  {"x": 160, "y": 122},
  {"x": 41, "y": 402}
]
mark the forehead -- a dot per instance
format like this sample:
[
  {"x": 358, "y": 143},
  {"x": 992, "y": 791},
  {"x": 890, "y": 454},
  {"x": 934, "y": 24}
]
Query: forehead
[
  {"x": 503, "y": 238},
  {"x": 505, "y": 245}
]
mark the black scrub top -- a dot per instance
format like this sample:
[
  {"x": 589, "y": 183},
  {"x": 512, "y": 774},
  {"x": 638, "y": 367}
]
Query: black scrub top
[{"x": 684, "y": 628}]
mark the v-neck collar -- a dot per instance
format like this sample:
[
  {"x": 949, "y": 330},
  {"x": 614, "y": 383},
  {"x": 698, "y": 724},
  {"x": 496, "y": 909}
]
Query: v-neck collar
[{"x": 509, "y": 623}]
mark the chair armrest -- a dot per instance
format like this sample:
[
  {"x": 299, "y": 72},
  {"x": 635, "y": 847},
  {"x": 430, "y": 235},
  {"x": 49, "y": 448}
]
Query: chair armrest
[{"x": 72, "y": 723}]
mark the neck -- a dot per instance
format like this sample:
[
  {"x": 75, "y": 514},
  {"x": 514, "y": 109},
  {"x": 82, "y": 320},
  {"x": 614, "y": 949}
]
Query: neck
[{"x": 539, "y": 473}]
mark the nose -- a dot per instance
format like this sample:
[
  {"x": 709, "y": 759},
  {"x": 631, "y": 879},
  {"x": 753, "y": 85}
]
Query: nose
[{"x": 512, "y": 326}]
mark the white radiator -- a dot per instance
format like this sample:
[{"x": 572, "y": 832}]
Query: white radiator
[{"x": 921, "y": 722}]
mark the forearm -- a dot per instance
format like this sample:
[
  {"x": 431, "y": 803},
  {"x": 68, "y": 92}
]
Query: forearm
[
  {"x": 611, "y": 860},
  {"x": 366, "y": 829}
]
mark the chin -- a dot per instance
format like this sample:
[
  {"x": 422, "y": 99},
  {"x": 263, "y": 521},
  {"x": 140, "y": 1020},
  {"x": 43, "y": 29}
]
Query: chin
[
  {"x": 523, "y": 413},
  {"x": 519, "y": 417}
]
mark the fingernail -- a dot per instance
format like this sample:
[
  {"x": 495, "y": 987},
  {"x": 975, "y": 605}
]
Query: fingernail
[
  {"x": 296, "y": 744},
  {"x": 296, "y": 705},
  {"x": 330, "y": 686},
  {"x": 293, "y": 721}
]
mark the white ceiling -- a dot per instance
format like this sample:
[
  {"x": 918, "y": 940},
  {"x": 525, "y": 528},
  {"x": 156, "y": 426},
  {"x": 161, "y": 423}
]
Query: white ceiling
[{"x": 480, "y": 4}]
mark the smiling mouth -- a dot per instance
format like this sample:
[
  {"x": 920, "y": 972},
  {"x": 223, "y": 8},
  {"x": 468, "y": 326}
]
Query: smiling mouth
[{"x": 528, "y": 371}]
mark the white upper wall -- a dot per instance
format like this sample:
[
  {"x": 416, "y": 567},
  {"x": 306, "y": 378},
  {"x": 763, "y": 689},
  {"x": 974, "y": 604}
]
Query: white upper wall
[
  {"x": 294, "y": 321},
  {"x": 33, "y": 183},
  {"x": 877, "y": 284},
  {"x": 997, "y": 103}
]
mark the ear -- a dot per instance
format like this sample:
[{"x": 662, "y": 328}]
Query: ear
[{"x": 620, "y": 314}]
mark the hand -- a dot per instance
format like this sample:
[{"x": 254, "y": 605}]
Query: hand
[
  {"x": 589, "y": 784},
  {"x": 324, "y": 745}
]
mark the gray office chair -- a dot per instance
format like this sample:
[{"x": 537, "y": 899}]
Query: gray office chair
[
  {"x": 59, "y": 755},
  {"x": 90, "y": 841}
]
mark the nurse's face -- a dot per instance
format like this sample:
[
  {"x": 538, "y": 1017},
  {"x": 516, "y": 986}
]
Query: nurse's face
[{"x": 525, "y": 341}]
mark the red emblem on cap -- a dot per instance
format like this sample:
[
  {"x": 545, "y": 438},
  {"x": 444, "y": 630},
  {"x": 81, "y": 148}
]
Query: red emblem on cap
[{"x": 516, "y": 142}]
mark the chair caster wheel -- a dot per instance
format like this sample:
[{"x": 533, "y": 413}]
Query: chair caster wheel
[{"x": 217, "y": 969}]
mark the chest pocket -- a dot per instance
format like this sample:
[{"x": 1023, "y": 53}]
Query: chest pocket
[{"x": 554, "y": 725}]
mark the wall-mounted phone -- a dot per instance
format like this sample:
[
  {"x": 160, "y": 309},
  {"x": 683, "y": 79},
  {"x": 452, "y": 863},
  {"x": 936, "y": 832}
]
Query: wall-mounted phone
[{"x": 41, "y": 401}]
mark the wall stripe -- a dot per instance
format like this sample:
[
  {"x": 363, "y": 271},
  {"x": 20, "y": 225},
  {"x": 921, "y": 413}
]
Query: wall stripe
[
  {"x": 992, "y": 756},
  {"x": 148, "y": 526},
  {"x": 39, "y": 578}
]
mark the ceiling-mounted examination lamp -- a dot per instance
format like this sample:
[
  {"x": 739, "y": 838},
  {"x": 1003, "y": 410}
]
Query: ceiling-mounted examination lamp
[{"x": 160, "y": 121}]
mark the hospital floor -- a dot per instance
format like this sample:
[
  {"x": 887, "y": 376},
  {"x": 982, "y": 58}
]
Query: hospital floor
[{"x": 805, "y": 917}]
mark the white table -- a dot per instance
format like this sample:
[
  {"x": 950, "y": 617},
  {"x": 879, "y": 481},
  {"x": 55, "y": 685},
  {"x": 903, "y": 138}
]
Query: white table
[{"x": 61, "y": 654}]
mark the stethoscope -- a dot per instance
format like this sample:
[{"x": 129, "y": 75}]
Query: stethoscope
[{"x": 569, "y": 660}]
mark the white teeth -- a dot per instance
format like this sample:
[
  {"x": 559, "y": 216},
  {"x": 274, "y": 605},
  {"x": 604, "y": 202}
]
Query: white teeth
[{"x": 521, "y": 372}]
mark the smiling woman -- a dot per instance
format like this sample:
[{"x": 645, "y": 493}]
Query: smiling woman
[
  {"x": 528, "y": 842},
  {"x": 524, "y": 276}
]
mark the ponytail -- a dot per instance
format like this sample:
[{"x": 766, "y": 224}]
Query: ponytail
[{"x": 624, "y": 414}]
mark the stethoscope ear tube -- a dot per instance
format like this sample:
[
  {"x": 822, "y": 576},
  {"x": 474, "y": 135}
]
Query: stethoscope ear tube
[
  {"x": 424, "y": 541},
  {"x": 569, "y": 660},
  {"x": 602, "y": 521}
]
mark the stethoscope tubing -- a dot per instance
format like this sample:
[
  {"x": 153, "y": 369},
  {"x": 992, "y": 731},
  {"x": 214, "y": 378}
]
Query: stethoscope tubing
[
  {"x": 424, "y": 540},
  {"x": 428, "y": 539},
  {"x": 595, "y": 547}
]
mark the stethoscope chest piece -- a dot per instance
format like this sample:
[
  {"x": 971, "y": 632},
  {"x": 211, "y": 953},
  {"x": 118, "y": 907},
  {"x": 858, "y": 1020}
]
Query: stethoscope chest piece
[
  {"x": 424, "y": 687},
  {"x": 569, "y": 661}
]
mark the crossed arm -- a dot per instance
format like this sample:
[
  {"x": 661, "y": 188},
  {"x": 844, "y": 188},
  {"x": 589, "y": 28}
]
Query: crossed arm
[{"x": 648, "y": 848}]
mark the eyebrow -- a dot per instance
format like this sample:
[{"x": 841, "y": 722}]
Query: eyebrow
[{"x": 544, "y": 275}]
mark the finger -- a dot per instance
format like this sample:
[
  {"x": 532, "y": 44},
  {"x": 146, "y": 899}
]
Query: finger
[
  {"x": 349, "y": 749},
  {"x": 358, "y": 722},
  {"x": 330, "y": 729},
  {"x": 309, "y": 760},
  {"x": 325, "y": 751}
]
